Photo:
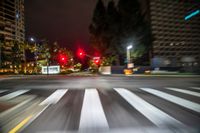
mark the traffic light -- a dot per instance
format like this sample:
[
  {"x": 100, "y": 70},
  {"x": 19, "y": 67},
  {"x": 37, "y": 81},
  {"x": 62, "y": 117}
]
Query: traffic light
[
  {"x": 96, "y": 60},
  {"x": 81, "y": 53},
  {"x": 62, "y": 58}
]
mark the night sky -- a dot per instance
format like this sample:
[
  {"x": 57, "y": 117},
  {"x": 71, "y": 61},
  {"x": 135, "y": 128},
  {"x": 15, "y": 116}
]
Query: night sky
[{"x": 64, "y": 21}]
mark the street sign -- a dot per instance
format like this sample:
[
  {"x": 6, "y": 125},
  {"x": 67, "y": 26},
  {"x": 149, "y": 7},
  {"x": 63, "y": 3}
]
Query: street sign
[
  {"x": 130, "y": 65},
  {"x": 96, "y": 58},
  {"x": 51, "y": 70}
]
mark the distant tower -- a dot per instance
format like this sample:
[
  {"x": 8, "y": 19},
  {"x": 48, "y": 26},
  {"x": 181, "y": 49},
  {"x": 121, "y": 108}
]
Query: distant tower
[
  {"x": 175, "y": 40},
  {"x": 12, "y": 20}
]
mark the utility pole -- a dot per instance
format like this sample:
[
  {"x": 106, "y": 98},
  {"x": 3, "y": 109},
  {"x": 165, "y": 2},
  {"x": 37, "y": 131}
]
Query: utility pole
[{"x": 47, "y": 58}]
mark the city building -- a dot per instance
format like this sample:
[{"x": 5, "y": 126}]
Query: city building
[
  {"x": 12, "y": 20},
  {"x": 12, "y": 31},
  {"x": 175, "y": 39}
]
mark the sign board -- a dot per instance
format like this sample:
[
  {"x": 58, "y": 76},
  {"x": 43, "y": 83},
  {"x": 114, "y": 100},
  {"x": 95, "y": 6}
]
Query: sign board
[
  {"x": 130, "y": 65},
  {"x": 51, "y": 69},
  {"x": 96, "y": 58}
]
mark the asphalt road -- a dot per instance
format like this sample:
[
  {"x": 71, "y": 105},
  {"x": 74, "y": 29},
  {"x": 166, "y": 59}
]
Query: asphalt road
[{"x": 48, "y": 104}]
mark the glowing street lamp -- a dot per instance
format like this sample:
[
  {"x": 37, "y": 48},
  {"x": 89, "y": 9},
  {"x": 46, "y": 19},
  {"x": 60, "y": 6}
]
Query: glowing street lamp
[
  {"x": 130, "y": 47},
  {"x": 32, "y": 39},
  {"x": 128, "y": 53}
]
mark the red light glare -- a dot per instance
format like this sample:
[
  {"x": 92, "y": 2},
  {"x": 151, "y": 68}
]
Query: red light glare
[{"x": 80, "y": 53}]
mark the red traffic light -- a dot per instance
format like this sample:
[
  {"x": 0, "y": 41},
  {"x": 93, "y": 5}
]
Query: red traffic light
[
  {"x": 62, "y": 59},
  {"x": 81, "y": 53},
  {"x": 96, "y": 60}
]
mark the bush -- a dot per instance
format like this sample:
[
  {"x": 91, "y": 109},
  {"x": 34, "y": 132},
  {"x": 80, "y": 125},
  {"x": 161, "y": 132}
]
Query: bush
[{"x": 67, "y": 72}]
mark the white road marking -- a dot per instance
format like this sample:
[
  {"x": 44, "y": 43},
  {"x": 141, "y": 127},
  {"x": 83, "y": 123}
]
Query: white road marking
[
  {"x": 158, "y": 117},
  {"x": 196, "y": 88},
  {"x": 92, "y": 113},
  {"x": 12, "y": 95},
  {"x": 55, "y": 97},
  {"x": 174, "y": 99},
  {"x": 184, "y": 91},
  {"x": 1, "y": 91}
]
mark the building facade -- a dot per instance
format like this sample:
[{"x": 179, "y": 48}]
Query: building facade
[
  {"x": 12, "y": 20},
  {"x": 175, "y": 40},
  {"x": 12, "y": 33}
]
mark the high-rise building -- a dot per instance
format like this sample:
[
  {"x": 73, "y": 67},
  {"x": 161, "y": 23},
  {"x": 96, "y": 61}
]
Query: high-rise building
[
  {"x": 12, "y": 20},
  {"x": 174, "y": 39},
  {"x": 12, "y": 31}
]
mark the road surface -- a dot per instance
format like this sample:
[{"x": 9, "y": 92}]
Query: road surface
[{"x": 48, "y": 104}]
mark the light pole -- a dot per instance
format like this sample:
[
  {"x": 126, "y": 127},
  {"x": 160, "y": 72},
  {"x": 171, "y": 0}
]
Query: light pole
[
  {"x": 48, "y": 62},
  {"x": 128, "y": 53},
  {"x": 35, "y": 52}
]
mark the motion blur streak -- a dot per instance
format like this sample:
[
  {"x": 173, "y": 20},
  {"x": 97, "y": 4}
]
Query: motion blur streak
[
  {"x": 158, "y": 117},
  {"x": 180, "y": 101},
  {"x": 20, "y": 125},
  {"x": 92, "y": 114}
]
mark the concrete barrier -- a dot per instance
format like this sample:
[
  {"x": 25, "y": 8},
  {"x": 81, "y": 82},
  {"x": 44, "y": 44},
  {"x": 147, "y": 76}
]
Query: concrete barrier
[{"x": 105, "y": 70}]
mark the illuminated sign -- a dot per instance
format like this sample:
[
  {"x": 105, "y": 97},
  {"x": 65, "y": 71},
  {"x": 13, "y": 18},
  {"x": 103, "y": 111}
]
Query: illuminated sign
[
  {"x": 51, "y": 70},
  {"x": 192, "y": 14}
]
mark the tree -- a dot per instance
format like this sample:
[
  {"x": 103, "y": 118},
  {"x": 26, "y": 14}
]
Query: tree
[
  {"x": 113, "y": 29},
  {"x": 97, "y": 27},
  {"x": 16, "y": 61},
  {"x": 134, "y": 29},
  {"x": 56, "y": 51}
]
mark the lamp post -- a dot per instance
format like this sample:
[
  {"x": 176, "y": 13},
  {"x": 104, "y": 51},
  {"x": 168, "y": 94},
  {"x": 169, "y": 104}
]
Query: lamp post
[
  {"x": 48, "y": 62},
  {"x": 128, "y": 53},
  {"x": 35, "y": 51}
]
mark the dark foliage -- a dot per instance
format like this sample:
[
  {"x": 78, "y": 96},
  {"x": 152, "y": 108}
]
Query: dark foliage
[{"x": 113, "y": 28}]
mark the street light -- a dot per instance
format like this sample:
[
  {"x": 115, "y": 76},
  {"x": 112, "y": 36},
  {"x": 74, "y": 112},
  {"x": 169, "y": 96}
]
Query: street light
[
  {"x": 35, "y": 52},
  {"x": 32, "y": 39},
  {"x": 128, "y": 53},
  {"x": 129, "y": 47}
]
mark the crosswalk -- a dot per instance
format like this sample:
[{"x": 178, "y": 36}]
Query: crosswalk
[
  {"x": 94, "y": 115},
  {"x": 13, "y": 95}
]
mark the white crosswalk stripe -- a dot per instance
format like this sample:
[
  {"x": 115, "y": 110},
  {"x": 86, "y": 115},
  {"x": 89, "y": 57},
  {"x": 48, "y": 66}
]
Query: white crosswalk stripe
[
  {"x": 2, "y": 91},
  {"x": 92, "y": 113},
  {"x": 93, "y": 117},
  {"x": 155, "y": 115},
  {"x": 174, "y": 99},
  {"x": 196, "y": 88},
  {"x": 184, "y": 91},
  {"x": 12, "y": 95},
  {"x": 55, "y": 97}
]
